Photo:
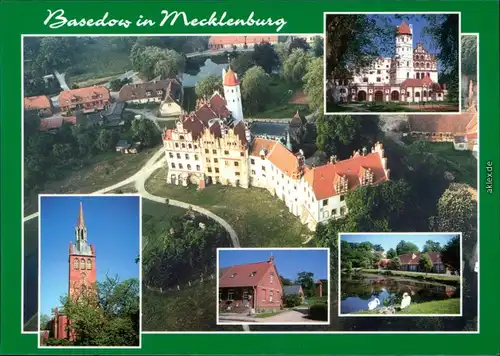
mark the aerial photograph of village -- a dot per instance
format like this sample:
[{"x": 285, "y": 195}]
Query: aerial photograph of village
[
  {"x": 399, "y": 65},
  {"x": 226, "y": 140}
]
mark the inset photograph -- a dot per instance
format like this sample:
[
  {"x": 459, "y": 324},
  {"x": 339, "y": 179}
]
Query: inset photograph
[
  {"x": 384, "y": 62},
  {"x": 282, "y": 286},
  {"x": 90, "y": 271},
  {"x": 409, "y": 274}
]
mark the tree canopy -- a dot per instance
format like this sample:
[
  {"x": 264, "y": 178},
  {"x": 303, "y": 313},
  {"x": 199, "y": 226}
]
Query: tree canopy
[
  {"x": 206, "y": 86},
  {"x": 295, "y": 66},
  {"x": 306, "y": 280},
  {"x": 314, "y": 85},
  {"x": 255, "y": 90},
  {"x": 406, "y": 247},
  {"x": 265, "y": 57}
]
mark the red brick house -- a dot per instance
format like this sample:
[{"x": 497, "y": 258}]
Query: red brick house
[
  {"x": 88, "y": 99},
  {"x": 383, "y": 263},
  {"x": 318, "y": 288},
  {"x": 411, "y": 262},
  {"x": 253, "y": 285}
]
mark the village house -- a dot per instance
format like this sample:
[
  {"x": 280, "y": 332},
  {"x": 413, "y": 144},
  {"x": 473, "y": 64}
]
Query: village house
[
  {"x": 169, "y": 93},
  {"x": 460, "y": 129},
  {"x": 88, "y": 99},
  {"x": 411, "y": 262},
  {"x": 254, "y": 285},
  {"x": 211, "y": 145},
  {"x": 42, "y": 105},
  {"x": 55, "y": 122},
  {"x": 383, "y": 263},
  {"x": 295, "y": 289},
  {"x": 239, "y": 42}
]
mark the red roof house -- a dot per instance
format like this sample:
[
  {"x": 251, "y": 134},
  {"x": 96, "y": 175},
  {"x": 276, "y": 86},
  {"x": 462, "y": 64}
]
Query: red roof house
[
  {"x": 411, "y": 262},
  {"x": 253, "y": 285}
]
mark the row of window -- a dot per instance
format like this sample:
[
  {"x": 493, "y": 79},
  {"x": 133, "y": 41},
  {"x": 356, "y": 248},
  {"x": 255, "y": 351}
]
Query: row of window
[
  {"x": 186, "y": 155},
  {"x": 81, "y": 264},
  {"x": 183, "y": 145},
  {"x": 181, "y": 166},
  {"x": 326, "y": 214}
]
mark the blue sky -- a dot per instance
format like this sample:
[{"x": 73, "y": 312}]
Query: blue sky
[
  {"x": 418, "y": 22},
  {"x": 113, "y": 227},
  {"x": 391, "y": 240},
  {"x": 288, "y": 262}
]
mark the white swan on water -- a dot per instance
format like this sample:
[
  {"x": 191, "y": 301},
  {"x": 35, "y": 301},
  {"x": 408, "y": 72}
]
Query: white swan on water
[
  {"x": 405, "y": 302},
  {"x": 373, "y": 304}
]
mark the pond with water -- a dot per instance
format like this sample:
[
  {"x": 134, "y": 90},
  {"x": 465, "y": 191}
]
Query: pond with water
[
  {"x": 202, "y": 70},
  {"x": 358, "y": 290}
]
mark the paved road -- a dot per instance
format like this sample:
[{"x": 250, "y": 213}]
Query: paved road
[{"x": 62, "y": 80}]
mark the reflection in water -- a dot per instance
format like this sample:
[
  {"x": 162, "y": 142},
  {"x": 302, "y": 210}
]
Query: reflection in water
[
  {"x": 209, "y": 67},
  {"x": 357, "y": 292}
]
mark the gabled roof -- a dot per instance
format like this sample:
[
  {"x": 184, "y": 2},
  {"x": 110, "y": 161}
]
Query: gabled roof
[
  {"x": 37, "y": 102},
  {"x": 83, "y": 95},
  {"x": 298, "y": 120},
  {"x": 283, "y": 159},
  {"x": 261, "y": 145},
  {"x": 51, "y": 123},
  {"x": 170, "y": 88},
  {"x": 413, "y": 82},
  {"x": 454, "y": 124},
  {"x": 322, "y": 179},
  {"x": 246, "y": 275},
  {"x": 414, "y": 258}
]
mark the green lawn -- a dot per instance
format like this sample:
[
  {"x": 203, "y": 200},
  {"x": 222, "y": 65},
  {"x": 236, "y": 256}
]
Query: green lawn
[
  {"x": 283, "y": 111},
  {"x": 417, "y": 275},
  {"x": 98, "y": 62},
  {"x": 460, "y": 163},
  {"x": 259, "y": 219},
  {"x": 391, "y": 107},
  {"x": 447, "y": 306},
  {"x": 101, "y": 171},
  {"x": 317, "y": 300}
]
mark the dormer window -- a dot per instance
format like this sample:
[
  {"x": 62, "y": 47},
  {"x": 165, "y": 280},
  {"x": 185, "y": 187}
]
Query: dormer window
[
  {"x": 159, "y": 92},
  {"x": 148, "y": 93},
  {"x": 252, "y": 274},
  {"x": 340, "y": 183},
  {"x": 233, "y": 275},
  {"x": 365, "y": 176}
]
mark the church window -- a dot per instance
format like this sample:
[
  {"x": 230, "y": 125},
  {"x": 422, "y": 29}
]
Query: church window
[
  {"x": 75, "y": 264},
  {"x": 178, "y": 156},
  {"x": 173, "y": 165},
  {"x": 236, "y": 164},
  {"x": 187, "y": 156},
  {"x": 82, "y": 264},
  {"x": 89, "y": 264}
]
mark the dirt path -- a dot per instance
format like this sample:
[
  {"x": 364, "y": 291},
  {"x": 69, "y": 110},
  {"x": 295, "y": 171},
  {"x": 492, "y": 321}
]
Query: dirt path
[{"x": 291, "y": 316}]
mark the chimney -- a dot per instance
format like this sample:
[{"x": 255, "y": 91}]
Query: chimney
[{"x": 271, "y": 259}]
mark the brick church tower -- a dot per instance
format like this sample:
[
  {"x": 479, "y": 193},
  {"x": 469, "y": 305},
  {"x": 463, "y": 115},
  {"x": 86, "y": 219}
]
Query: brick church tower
[
  {"x": 82, "y": 272},
  {"x": 82, "y": 269}
]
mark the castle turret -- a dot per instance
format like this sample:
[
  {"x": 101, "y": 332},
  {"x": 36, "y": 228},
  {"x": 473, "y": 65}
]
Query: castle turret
[
  {"x": 232, "y": 93},
  {"x": 404, "y": 52}
]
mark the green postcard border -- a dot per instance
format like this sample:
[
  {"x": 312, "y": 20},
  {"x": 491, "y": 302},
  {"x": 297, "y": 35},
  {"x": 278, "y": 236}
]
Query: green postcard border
[{"x": 26, "y": 17}]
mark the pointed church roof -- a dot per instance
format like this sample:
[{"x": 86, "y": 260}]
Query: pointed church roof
[
  {"x": 81, "y": 220},
  {"x": 404, "y": 29},
  {"x": 230, "y": 78}
]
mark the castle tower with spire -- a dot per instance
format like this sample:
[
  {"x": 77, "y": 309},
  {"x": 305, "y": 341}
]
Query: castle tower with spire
[
  {"x": 232, "y": 93},
  {"x": 404, "y": 52},
  {"x": 82, "y": 269}
]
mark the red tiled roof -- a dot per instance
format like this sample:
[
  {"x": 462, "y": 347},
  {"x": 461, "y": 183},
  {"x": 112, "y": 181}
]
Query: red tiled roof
[
  {"x": 235, "y": 40},
  {"x": 284, "y": 160},
  {"x": 404, "y": 29},
  {"x": 322, "y": 179},
  {"x": 455, "y": 124},
  {"x": 413, "y": 82},
  {"x": 218, "y": 105},
  {"x": 56, "y": 122},
  {"x": 260, "y": 144},
  {"x": 383, "y": 262},
  {"x": 83, "y": 95},
  {"x": 414, "y": 258},
  {"x": 37, "y": 102},
  {"x": 230, "y": 78},
  {"x": 241, "y": 275}
]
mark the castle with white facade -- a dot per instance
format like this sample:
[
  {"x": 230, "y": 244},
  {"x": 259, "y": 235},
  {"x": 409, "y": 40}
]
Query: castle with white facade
[
  {"x": 213, "y": 145},
  {"x": 410, "y": 76}
]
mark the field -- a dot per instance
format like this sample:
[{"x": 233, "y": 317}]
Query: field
[
  {"x": 100, "y": 62},
  {"x": 101, "y": 171},
  {"x": 447, "y": 306},
  {"x": 259, "y": 219}
]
